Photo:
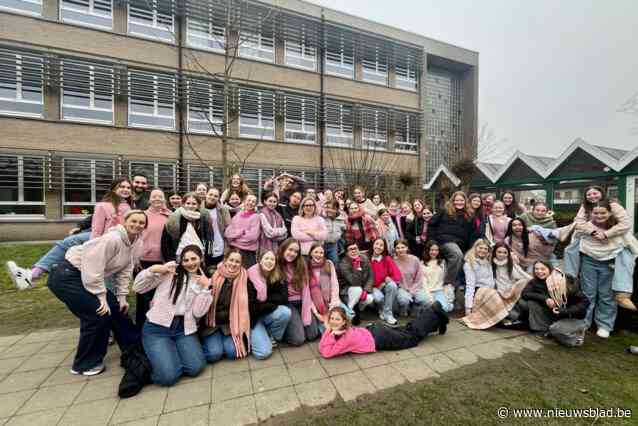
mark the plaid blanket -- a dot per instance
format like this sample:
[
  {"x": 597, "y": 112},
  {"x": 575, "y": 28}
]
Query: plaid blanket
[{"x": 490, "y": 307}]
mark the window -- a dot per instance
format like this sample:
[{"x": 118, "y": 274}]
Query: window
[
  {"x": 255, "y": 179},
  {"x": 160, "y": 175},
  {"x": 259, "y": 45},
  {"x": 20, "y": 84},
  {"x": 375, "y": 64},
  {"x": 205, "y": 107},
  {"x": 300, "y": 51},
  {"x": 30, "y": 7},
  {"x": 21, "y": 185},
  {"x": 256, "y": 114},
  {"x": 197, "y": 173},
  {"x": 87, "y": 92},
  {"x": 85, "y": 183},
  {"x": 94, "y": 13},
  {"x": 406, "y": 71},
  {"x": 301, "y": 119},
  {"x": 374, "y": 126},
  {"x": 339, "y": 54},
  {"x": 151, "y": 19},
  {"x": 151, "y": 100},
  {"x": 339, "y": 124},
  {"x": 406, "y": 132},
  {"x": 206, "y": 26}
]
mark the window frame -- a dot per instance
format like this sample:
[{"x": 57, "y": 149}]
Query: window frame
[
  {"x": 93, "y": 185},
  {"x": 19, "y": 88},
  {"x": 91, "y": 6},
  {"x": 156, "y": 103},
  {"x": 255, "y": 41},
  {"x": 154, "y": 26},
  {"x": 411, "y": 126},
  {"x": 374, "y": 67},
  {"x": 219, "y": 40},
  {"x": 343, "y": 129},
  {"x": 303, "y": 122},
  {"x": 260, "y": 116},
  {"x": 91, "y": 96},
  {"x": 23, "y": 11},
  {"x": 377, "y": 131},
  {"x": 342, "y": 62},
  {"x": 406, "y": 83},
  {"x": 302, "y": 47},
  {"x": 210, "y": 121},
  {"x": 21, "y": 187}
]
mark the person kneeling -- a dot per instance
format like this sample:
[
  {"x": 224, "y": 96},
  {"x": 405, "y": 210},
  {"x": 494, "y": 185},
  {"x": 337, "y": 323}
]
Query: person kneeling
[{"x": 182, "y": 297}]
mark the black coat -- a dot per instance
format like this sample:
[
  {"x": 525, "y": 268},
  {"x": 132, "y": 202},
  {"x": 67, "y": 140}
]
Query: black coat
[
  {"x": 288, "y": 213},
  {"x": 452, "y": 229},
  {"x": 412, "y": 230},
  {"x": 577, "y": 303},
  {"x": 277, "y": 295},
  {"x": 169, "y": 244}
]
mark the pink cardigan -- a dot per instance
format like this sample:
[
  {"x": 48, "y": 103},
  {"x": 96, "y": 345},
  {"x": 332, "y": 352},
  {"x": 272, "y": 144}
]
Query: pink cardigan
[
  {"x": 299, "y": 227},
  {"x": 384, "y": 268},
  {"x": 162, "y": 309},
  {"x": 105, "y": 217},
  {"x": 357, "y": 340},
  {"x": 152, "y": 235},
  {"x": 411, "y": 273},
  {"x": 244, "y": 231}
]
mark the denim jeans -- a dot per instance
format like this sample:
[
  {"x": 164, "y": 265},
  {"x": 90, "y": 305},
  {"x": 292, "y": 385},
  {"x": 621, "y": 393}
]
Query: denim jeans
[
  {"x": 595, "y": 283},
  {"x": 447, "y": 302},
  {"x": 384, "y": 298},
  {"x": 331, "y": 252},
  {"x": 172, "y": 353},
  {"x": 216, "y": 345},
  {"x": 296, "y": 332},
  {"x": 454, "y": 258},
  {"x": 275, "y": 324},
  {"x": 353, "y": 295},
  {"x": 405, "y": 298},
  {"x": 58, "y": 251},
  {"x": 65, "y": 282}
]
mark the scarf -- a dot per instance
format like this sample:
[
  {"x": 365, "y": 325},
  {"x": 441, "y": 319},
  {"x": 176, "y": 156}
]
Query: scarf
[
  {"x": 189, "y": 215},
  {"x": 544, "y": 222},
  {"x": 317, "y": 269},
  {"x": 239, "y": 316},
  {"x": 499, "y": 262},
  {"x": 354, "y": 233},
  {"x": 356, "y": 262},
  {"x": 247, "y": 213},
  {"x": 557, "y": 287},
  {"x": 255, "y": 276},
  {"x": 306, "y": 298},
  {"x": 275, "y": 220}
]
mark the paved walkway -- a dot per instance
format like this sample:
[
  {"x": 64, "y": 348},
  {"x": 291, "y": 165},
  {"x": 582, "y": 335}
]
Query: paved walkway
[{"x": 37, "y": 389}]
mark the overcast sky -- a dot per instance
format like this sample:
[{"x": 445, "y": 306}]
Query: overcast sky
[{"x": 550, "y": 71}]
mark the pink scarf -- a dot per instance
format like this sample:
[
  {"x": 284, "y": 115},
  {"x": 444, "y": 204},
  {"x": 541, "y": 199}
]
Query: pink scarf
[
  {"x": 246, "y": 213},
  {"x": 316, "y": 269},
  {"x": 276, "y": 221},
  {"x": 306, "y": 299},
  {"x": 255, "y": 277}
]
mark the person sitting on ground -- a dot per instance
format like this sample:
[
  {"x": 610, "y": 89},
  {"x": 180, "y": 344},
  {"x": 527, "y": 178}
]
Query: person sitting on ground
[
  {"x": 411, "y": 293},
  {"x": 478, "y": 271},
  {"x": 356, "y": 279},
  {"x": 386, "y": 276},
  {"x": 433, "y": 271}
]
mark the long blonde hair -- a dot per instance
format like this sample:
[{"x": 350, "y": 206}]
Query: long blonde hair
[{"x": 470, "y": 256}]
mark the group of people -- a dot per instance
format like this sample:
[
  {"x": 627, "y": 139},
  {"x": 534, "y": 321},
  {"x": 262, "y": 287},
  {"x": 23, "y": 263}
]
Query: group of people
[{"x": 220, "y": 274}]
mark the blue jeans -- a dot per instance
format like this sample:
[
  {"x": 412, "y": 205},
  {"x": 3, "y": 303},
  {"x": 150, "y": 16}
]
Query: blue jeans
[
  {"x": 384, "y": 298},
  {"x": 172, "y": 353},
  {"x": 331, "y": 252},
  {"x": 57, "y": 252},
  {"x": 216, "y": 345},
  {"x": 447, "y": 302},
  {"x": 274, "y": 323},
  {"x": 595, "y": 282},
  {"x": 405, "y": 298},
  {"x": 65, "y": 282}
]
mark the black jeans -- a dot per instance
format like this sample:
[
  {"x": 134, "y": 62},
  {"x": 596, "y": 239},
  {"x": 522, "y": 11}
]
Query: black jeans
[
  {"x": 65, "y": 282},
  {"x": 143, "y": 301}
]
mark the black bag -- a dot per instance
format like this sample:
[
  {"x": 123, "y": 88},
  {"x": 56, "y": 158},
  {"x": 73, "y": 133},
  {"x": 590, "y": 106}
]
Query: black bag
[{"x": 137, "y": 371}]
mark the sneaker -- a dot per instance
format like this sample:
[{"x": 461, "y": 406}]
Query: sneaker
[
  {"x": 381, "y": 316},
  {"x": 390, "y": 320},
  {"x": 632, "y": 350},
  {"x": 273, "y": 342},
  {"x": 602, "y": 333},
  {"x": 92, "y": 372},
  {"x": 21, "y": 277}
]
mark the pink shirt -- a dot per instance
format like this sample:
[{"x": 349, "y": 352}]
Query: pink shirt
[
  {"x": 300, "y": 226},
  {"x": 244, "y": 231},
  {"x": 105, "y": 217},
  {"x": 356, "y": 340},
  {"x": 384, "y": 267},
  {"x": 411, "y": 273},
  {"x": 152, "y": 235}
]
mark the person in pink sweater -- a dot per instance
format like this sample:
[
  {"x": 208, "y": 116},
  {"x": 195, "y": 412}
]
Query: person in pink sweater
[
  {"x": 411, "y": 291},
  {"x": 110, "y": 211},
  {"x": 308, "y": 227},
  {"x": 324, "y": 286},
  {"x": 497, "y": 223},
  {"x": 386, "y": 276},
  {"x": 244, "y": 231},
  {"x": 340, "y": 337}
]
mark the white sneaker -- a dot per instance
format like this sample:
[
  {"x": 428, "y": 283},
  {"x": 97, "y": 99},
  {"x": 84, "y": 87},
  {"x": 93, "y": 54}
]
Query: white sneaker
[
  {"x": 92, "y": 372},
  {"x": 391, "y": 320},
  {"x": 21, "y": 277},
  {"x": 602, "y": 333},
  {"x": 381, "y": 316}
]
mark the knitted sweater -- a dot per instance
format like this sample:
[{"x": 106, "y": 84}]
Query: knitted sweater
[
  {"x": 383, "y": 267},
  {"x": 301, "y": 225},
  {"x": 196, "y": 300},
  {"x": 152, "y": 236},
  {"x": 606, "y": 249},
  {"x": 112, "y": 254},
  {"x": 504, "y": 282},
  {"x": 105, "y": 217},
  {"x": 335, "y": 227},
  {"x": 356, "y": 340},
  {"x": 477, "y": 275},
  {"x": 329, "y": 283},
  {"x": 411, "y": 273},
  {"x": 243, "y": 231},
  {"x": 617, "y": 211},
  {"x": 433, "y": 275},
  {"x": 538, "y": 249}
]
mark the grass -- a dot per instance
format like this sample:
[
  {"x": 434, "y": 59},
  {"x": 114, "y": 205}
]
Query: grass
[{"x": 599, "y": 374}]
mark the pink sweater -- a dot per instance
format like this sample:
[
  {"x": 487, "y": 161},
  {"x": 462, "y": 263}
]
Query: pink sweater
[
  {"x": 162, "y": 309},
  {"x": 385, "y": 267},
  {"x": 105, "y": 217},
  {"x": 499, "y": 227},
  {"x": 357, "y": 340},
  {"x": 329, "y": 284},
  {"x": 300, "y": 226},
  {"x": 244, "y": 231},
  {"x": 411, "y": 273},
  {"x": 152, "y": 235}
]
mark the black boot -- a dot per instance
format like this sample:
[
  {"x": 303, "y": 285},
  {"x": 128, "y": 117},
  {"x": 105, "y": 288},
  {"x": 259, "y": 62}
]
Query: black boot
[
  {"x": 438, "y": 309},
  {"x": 137, "y": 371},
  {"x": 356, "y": 319},
  {"x": 430, "y": 319}
]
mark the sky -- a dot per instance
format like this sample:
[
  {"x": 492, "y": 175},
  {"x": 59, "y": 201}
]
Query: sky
[{"x": 549, "y": 71}]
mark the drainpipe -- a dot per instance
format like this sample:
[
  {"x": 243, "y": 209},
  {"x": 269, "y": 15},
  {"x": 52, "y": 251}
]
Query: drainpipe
[
  {"x": 180, "y": 109},
  {"x": 322, "y": 121}
]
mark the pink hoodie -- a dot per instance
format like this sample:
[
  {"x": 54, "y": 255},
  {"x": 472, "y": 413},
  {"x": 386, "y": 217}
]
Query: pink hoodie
[
  {"x": 300, "y": 225},
  {"x": 411, "y": 273},
  {"x": 244, "y": 231},
  {"x": 357, "y": 340},
  {"x": 152, "y": 235},
  {"x": 105, "y": 217}
]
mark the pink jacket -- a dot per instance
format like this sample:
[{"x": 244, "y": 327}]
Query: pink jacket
[
  {"x": 384, "y": 268},
  {"x": 162, "y": 309},
  {"x": 357, "y": 340},
  {"x": 300, "y": 225},
  {"x": 105, "y": 217},
  {"x": 112, "y": 254},
  {"x": 152, "y": 235},
  {"x": 244, "y": 230},
  {"x": 411, "y": 273}
]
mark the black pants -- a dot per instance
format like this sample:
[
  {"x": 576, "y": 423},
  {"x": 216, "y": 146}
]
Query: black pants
[
  {"x": 65, "y": 282},
  {"x": 429, "y": 319},
  {"x": 143, "y": 301},
  {"x": 536, "y": 315}
]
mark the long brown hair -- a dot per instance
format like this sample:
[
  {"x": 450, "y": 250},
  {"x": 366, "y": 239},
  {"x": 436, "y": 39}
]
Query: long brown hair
[
  {"x": 326, "y": 265},
  {"x": 112, "y": 197},
  {"x": 273, "y": 276},
  {"x": 299, "y": 269},
  {"x": 451, "y": 210},
  {"x": 243, "y": 188}
]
